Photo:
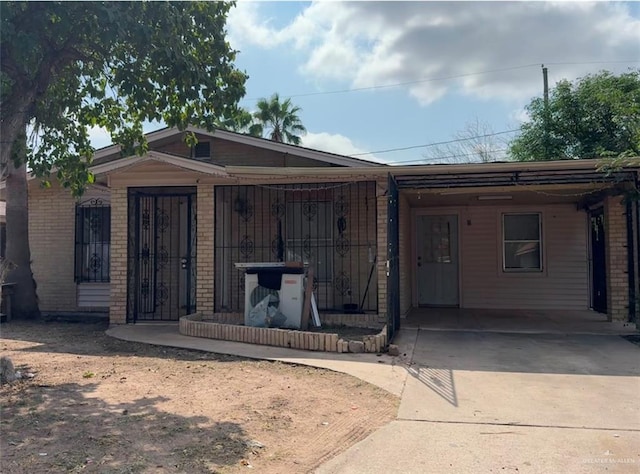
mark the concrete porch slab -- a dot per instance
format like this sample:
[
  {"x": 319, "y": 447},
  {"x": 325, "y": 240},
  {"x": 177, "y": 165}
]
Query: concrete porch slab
[{"x": 515, "y": 320}]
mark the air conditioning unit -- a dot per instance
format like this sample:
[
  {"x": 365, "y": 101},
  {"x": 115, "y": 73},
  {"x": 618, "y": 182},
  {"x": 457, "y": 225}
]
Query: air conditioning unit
[{"x": 288, "y": 300}]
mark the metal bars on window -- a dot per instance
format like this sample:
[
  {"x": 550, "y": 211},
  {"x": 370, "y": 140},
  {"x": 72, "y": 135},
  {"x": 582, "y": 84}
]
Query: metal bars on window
[
  {"x": 93, "y": 241},
  {"x": 329, "y": 226}
]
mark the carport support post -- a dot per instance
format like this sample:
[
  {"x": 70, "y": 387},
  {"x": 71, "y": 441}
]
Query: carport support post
[{"x": 616, "y": 258}]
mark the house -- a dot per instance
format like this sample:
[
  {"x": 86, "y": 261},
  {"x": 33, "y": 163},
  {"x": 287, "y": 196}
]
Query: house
[{"x": 157, "y": 236}]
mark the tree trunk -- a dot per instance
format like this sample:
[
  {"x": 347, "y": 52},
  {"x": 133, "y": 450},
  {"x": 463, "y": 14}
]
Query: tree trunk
[{"x": 18, "y": 252}]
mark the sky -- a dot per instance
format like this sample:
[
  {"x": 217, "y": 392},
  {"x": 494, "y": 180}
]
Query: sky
[{"x": 377, "y": 76}]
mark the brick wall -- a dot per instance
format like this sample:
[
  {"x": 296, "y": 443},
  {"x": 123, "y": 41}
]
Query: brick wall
[
  {"x": 205, "y": 249},
  {"x": 382, "y": 223},
  {"x": 52, "y": 237},
  {"x": 616, "y": 255},
  {"x": 119, "y": 233}
]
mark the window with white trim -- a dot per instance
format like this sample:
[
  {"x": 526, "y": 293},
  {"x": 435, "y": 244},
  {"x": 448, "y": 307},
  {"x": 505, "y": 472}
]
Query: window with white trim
[{"x": 522, "y": 242}]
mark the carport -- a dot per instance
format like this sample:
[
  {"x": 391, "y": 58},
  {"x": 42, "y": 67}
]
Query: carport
[{"x": 532, "y": 247}]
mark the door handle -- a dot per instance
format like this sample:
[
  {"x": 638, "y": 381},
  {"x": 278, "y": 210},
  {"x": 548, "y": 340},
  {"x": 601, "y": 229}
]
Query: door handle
[{"x": 184, "y": 262}]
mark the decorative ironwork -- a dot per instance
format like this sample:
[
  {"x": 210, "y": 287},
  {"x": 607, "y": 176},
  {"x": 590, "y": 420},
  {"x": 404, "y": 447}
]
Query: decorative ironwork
[
  {"x": 246, "y": 246},
  {"x": 327, "y": 227},
  {"x": 342, "y": 283},
  {"x": 145, "y": 254},
  {"x": 309, "y": 209},
  {"x": 92, "y": 241},
  {"x": 243, "y": 207},
  {"x": 278, "y": 209},
  {"x": 163, "y": 257},
  {"x": 342, "y": 246},
  {"x": 95, "y": 223},
  {"x": 146, "y": 219},
  {"x": 163, "y": 220},
  {"x": 163, "y": 294},
  {"x": 95, "y": 263},
  {"x": 145, "y": 287},
  {"x": 341, "y": 206},
  {"x": 162, "y": 254}
]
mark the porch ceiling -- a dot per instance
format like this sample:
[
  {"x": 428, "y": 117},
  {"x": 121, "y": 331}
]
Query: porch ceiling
[
  {"x": 513, "y": 178},
  {"x": 490, "y": 196}
]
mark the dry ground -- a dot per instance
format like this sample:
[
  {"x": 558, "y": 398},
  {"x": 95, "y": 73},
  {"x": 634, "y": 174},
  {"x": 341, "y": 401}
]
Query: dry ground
[{"x": 97, "y": 404}]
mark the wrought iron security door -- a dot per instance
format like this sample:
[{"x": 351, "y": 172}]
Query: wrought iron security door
[{"x": 162, "y": 254}]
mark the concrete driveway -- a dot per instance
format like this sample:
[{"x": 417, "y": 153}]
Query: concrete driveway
[{"x": 507, "y": 402}]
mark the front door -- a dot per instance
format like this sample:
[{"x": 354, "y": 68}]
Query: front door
[
  {"x": 162, "y": 250},
  {"x": 437, "y": 260},
  {"x": 598, "y": 266}
]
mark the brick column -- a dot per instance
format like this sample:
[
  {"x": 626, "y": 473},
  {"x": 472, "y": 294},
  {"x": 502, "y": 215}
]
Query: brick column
[
  {"x": 382, "y": 208},
  {"x": 616, "y": 257},
  {"x": 119, "y": 243},
  {"x": 205, "y": 267}
]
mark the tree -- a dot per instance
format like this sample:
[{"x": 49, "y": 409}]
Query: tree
[
  {"x": 279, "y": 120},
  {"x": 475, "y": 143},
  {"x": 241, "y": 121},
  {"x": 70, "y": 66},
  {"x": 595, "y": 116}
]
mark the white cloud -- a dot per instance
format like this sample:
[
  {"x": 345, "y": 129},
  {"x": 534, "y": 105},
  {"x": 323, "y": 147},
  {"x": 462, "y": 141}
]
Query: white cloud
[
  {"x": 380, "y": 43},
  {"x": 335, "y": 143}
]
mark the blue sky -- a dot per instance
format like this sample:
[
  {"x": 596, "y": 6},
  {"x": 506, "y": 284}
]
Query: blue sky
[{"x": 465, "y": 62}]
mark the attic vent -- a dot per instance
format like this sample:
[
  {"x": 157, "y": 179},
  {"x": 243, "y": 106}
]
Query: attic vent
[{"x": 202, "y": 151}]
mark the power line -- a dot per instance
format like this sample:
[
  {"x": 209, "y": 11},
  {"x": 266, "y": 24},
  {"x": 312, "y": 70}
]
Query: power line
[
  {"x": 446, "y": 78},
  {"x": 435, "y": 143},
  {"x": 446, "y": 157}
]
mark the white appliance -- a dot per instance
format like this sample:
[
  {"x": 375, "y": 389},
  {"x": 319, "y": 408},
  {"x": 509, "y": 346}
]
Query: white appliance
[{"x": 288, "y": 300}]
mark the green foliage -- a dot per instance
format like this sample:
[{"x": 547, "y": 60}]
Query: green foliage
[
  {"x": 596, "y": 116},
  {"x": 279, "y": 120},
  {"x": 70, "y": 66},
  {"x": 240, "y": 121}
]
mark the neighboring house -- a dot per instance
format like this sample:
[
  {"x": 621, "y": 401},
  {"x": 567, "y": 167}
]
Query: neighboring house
[{"x": 157, "y": 236}]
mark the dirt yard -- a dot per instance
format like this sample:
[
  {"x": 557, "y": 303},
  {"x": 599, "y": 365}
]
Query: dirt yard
[{"x": 97, "y": 404}]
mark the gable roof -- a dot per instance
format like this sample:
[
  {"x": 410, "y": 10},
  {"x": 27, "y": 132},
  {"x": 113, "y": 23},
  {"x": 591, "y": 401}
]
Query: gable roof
[
  {"x": 184, "y": 163},
  {"x": 106, "y": 154}
]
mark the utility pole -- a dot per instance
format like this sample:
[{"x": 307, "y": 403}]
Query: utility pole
[
  {"x": 547, "y": 119},
  {"x": 545, "y": 82}
]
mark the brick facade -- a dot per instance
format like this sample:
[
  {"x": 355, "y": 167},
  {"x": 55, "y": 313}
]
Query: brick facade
[
  {"x": 119, "y": 240},
  {"x": 205, "y": 274},
  {"x": 616, "y": 258},
  {"x": 52, "y": 237}
]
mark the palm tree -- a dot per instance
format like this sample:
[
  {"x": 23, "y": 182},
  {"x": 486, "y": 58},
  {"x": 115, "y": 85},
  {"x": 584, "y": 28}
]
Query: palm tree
[
  {"x": 279, "y": 120},
  {"x": 239, "y": 121}
]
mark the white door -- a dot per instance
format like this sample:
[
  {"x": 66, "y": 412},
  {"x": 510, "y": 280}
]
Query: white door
[{"x": 437, "y": 260}]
